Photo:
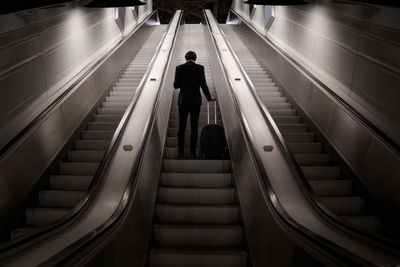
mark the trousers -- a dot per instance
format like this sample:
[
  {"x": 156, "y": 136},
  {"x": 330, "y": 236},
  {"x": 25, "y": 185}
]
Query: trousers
[{"x": 184, "y": 111}]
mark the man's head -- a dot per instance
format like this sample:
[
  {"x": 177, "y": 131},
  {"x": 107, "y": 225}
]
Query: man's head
[{"x": 190, "y": 55}]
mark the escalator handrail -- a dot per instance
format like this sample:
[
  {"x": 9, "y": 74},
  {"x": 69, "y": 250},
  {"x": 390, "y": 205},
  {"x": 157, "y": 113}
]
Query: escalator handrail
[
  {"x": 43, "y": 115},
  {"x": 269, "y": 193},
  {"x": 131, "y": 187},
  {"x": 296, "y": 169},
  {"x": 98, "y": 176},
  {"x": 384, "y": 138}
]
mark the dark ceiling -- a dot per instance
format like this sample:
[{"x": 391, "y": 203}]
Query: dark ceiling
[{"x": 192, "y": 9}]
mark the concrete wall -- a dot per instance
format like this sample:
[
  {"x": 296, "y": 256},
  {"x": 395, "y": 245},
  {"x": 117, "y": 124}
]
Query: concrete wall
[
  {"x": 354, "y": 49},
  {"x": 41, "y": 50}
]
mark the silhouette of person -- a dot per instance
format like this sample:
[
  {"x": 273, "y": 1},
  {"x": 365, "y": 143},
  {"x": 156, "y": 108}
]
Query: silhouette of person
[{"x": 189, "y": 77}]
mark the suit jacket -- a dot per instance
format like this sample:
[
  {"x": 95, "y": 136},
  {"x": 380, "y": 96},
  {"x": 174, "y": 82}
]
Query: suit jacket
[{"x": 189, "y": 77}]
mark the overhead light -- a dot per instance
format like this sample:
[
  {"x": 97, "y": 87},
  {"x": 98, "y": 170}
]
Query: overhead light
[
  {"x": 114, "y": 3},
  {"x": 276, "y": 2},
  {"x": 372, "y": 2}
]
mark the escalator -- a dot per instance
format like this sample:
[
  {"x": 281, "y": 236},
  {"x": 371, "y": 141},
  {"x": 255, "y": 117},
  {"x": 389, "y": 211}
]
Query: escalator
[
  {"x": 154, "y": 210},
  {"x": 327, "y": 180},
  {"x": 74, "y": 175},
  {"x": 197, "y": 213}
]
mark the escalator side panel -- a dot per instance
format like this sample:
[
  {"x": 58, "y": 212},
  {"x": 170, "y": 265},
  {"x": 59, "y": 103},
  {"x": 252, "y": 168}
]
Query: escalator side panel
[{"x": 22, "y": 167}]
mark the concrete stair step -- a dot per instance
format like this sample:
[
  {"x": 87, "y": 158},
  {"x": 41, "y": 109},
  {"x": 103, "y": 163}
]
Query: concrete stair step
[
  {"x": 344, "y": 205},
  {"x": 60, "y": 198},
  {"x": 77, "y": 168},
  {"x": 181, "y": 195},
  {"x": 43, "y": 216},
  {"x": 196, "y": 166},
  {"x": 331, "y": 187},
  {"x": 91, "y": 144},
  {"x": 305, "y": 148},
  {"x": 313, "y": 159},
  {"x": 97, "y": 135},
  {"x": 321, "y": 172},
  {"x": 197, "y": 235},
  {"x": 193, "y": 180},
  {"x": 85, "y": 155},
  {"x": 199, "y": 214},
  {"x": 198, "y": 257},
  {"x": 70, "y": 182}
]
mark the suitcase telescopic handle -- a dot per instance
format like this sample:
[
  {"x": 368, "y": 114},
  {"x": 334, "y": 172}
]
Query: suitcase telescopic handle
[{"x": 215, "y": 112}]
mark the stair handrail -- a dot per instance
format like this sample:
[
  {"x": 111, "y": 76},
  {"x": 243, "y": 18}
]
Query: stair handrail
[
  {"x": 74, "y": 214},
  {"x": 389, "y": 243},
  {"x": 270, "y": 195},
  {"x": 384, "y": 138},
  {"x": 44, "y": 114}
]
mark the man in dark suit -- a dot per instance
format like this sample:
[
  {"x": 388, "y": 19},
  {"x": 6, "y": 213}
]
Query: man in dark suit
[{"x": 189, "y": 77}]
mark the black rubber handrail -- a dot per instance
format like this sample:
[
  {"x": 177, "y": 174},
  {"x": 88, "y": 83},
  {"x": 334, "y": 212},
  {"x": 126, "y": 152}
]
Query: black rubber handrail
[
  {"x": 7, "y": 148},
  {"x": 131, "y": 187},
  {"x": 390, "y": 245},
  {"x": 97, "y": 178},
  {"x": 384, "y": 138},
  {"x": 269, "y": 194}
]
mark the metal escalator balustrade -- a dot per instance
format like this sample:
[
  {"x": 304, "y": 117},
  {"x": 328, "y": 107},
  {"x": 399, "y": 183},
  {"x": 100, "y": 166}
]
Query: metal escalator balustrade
[
  {"x": 69, "y": 185},
  {"x": 326, "y": 179},
  {"x": 197, "y": 217}
]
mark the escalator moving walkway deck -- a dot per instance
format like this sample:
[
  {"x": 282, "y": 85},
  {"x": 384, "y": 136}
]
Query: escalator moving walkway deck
[
  {"x": 326, "y": 179},
  {"x": 69, "y": 184},
  {"x": 197, "y": 215}
]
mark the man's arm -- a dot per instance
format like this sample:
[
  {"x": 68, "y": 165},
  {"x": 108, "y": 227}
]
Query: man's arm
[
  {"x": 203, "y": 85},
  {"x": 177, "y": 78}
]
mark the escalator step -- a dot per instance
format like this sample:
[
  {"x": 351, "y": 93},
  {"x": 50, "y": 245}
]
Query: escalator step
[
  {"x": 209, "y": 180},
  {"x": 91, "y": 144},
  {"x": 197, "y": 235},
  {"x": 211, "y": 214},
  {"x": 85, "y": 156},
  {"x": 111, "y": 111},
  {"x": 70, "y": 182},
  {"x": 368, "y": 223},
  {"x": 303, "y": 148},
  {"x": 331, "y": 187},
  {"x": 313, "y": 159},
  {"x": 196, "y": 166},
  {"x": 43, "y": 216},
  {"x": 321, "y": 172},
  {"x": 348, "y": 205},
  {"x": 60, "y": 198},
  {"x": 101, "y": 126},
  {"x": 176, "y": 195},
  {"x": 78, "y": 168},
  {"x": 287, "y": 119},
  {"x": 97, "y": 135},
  {"x": 293, "y": 128},
  {"x": 298, "y": 137},
  {"x": 107, "y": 118},
  {"x": 198, "y": 257}
]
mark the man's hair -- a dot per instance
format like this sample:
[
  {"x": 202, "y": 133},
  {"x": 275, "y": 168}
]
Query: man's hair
[{"x": 191, "y": 55}]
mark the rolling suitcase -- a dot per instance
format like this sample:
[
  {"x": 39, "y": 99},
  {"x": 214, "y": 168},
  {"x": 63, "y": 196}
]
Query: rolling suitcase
[{"x": 212, "y": 138}]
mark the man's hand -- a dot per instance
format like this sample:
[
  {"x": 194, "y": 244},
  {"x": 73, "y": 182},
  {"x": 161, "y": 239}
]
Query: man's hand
[{"x": 213, "y": 99}]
